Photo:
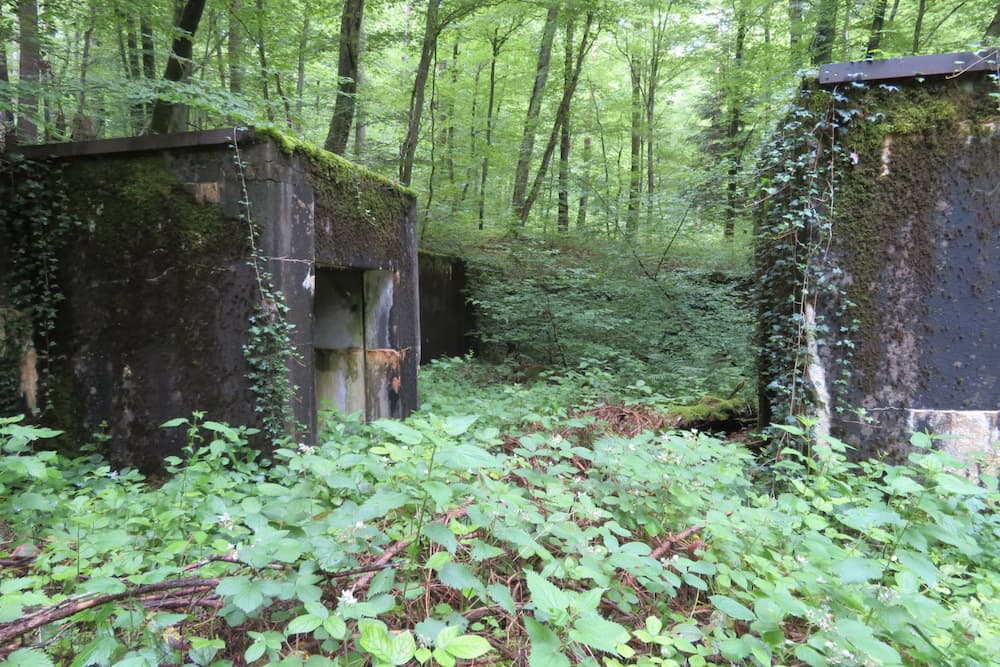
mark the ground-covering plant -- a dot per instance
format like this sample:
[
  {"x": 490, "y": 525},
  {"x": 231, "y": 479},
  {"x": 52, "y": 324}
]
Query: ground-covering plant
[
  {"x": 537, "y": 535},
  {"x": 638, "y": 314}
]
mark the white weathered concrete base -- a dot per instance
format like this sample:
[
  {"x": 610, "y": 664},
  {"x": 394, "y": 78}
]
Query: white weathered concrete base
[{"x": 974, "y": 436}]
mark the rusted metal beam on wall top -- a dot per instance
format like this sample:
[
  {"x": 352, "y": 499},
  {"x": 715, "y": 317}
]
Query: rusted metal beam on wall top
[{"x": 950, "y": 64}]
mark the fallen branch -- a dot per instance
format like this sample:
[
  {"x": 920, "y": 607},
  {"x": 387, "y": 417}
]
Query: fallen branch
[{"x": 76, "y": 604}]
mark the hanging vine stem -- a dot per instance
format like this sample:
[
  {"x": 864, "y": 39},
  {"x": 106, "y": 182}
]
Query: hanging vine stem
[
  {"x": 269, "y": 348},
  {"x": 795, "y": 234}
]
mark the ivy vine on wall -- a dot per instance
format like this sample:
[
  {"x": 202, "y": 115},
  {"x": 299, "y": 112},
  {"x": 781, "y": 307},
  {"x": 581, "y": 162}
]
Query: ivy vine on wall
[
  {"x": 269, "y": 347},
  {"x": 35, "y": 222}
]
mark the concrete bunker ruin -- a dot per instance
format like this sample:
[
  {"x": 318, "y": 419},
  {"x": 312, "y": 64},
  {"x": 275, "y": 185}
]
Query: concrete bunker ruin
[
  {"x": 156, "y": 291},
  {"x": 877, "y": 251}
]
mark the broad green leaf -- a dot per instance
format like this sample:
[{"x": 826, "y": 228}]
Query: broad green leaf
[
  {"x": 97, "y": 652},
  {"x": 731, "y": 607},
  {"x": 469, "y": 457},
  {"x": 456, "y": 426},
  {"x": 303, "y": 624},
  {"x": 467, "y": 647},
  {"x": 501, "y": 595},
  {"x": 335, "y": 626},
  {"x": 545, "y": 596},
  {"x": 545, "y": 648},
  {"x": 27, "y": 657},
  {"x": 103, "y": 585},
  {"x": 402, "y": 432},
  {"x": 861, "y": 637},
  {"x": 458, "y": 575},
  {"x": 440, "y": 533},
  {"x": 857, "y": 570},
  {"x": 919, "y": 564},
  {"x": 598, "y": 633}
]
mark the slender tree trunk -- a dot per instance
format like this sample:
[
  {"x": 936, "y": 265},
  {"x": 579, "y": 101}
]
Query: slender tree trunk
[
  {"x": 796, "y": 12},
  {"x": 348, "y": 62},
  {"x": 170, "y": 116},
  {"x": 826, "y": 32},
  {"x": 29, "y": 70},
  {"x": 496, "y": 43},
  {"x": 262, "y": 62},
  {"x": 534, "y": 109},
  {"x": 6, "y": 116},
  {"x": 433, "y": 162},
  {"x": 921, "y": 10},
  {"x": 635, "y": 164},
  {"x": 562, "y": 113},
  {"x": 84, "y": 125},
  {"x": 652, "y": 87},
  {"x": 878, "y": 25},
  {"x": 735, "y": 126},
  {"x": 581, "y": 212},
  {"x": 360, "y": 124},
  {"x": 235, "y": 48},
  {"x": 994, "y": 28},
  {"x": 564, "y": 134},
  {"x": 300, "y": 79},
  {"x": 409, "y": 148},
  {"x": 133, "y": 67},
  {"x": 449, "y": 117}
]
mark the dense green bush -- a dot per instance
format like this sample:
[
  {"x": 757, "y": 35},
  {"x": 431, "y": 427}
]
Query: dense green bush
[
  {"x": 683, "y": 332},
  {"x": 526, "y": 533}
]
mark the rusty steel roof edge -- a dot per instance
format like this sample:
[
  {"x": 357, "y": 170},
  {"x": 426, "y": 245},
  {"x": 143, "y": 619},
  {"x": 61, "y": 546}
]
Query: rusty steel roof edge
[
  {"x": 151, "y": 142},
  {"x": 909, "y": 67}
]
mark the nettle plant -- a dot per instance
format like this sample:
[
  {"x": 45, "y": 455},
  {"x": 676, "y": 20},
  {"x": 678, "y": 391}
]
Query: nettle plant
[{"x": 552, "y": 540}]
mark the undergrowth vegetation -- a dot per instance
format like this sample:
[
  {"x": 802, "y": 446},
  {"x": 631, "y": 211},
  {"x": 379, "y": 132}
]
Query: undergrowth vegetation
[
  {"x": 500, "y": 526},
  {"x": 639, "y": 314}
]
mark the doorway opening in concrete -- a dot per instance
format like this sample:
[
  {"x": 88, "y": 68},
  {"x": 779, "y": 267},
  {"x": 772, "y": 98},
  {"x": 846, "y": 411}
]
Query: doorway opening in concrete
[{"x": 354, "y": 332}]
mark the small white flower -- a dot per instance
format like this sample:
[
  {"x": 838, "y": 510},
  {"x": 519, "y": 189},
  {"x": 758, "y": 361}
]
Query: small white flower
[
  {"x": 306, "y": 449},
  {"x": 347, "y": 597},
  {"x": 225, "y": 520},
  {"x": 113, "y": 474},
  {"x": 359, "y": 525}
]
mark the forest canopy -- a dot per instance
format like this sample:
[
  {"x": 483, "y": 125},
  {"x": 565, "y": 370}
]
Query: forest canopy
[{"x": 610, "y": 116}]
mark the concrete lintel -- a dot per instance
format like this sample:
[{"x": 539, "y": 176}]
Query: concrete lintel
[
  {"x": 909, "y": 67},
  {"x": 151, "y": 142}
]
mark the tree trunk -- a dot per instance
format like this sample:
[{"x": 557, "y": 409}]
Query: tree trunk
[
  {"x": 360, "y": 125},
  {"x": 796, "y": 12},
  {"x": 133, "y": 68},
  {"x": 409, "y": 149},
  {"x": 6, "y": 117},
  {"x": 534, "y": 108},
  {"x": 562, "y": 113},
  {"x": 235, "y": 48},
  {"x": 921, "y": 10},
  {"x": 449, "y": 117},
  {"x": 735, "y": 127},
  {"x": 581, "y": 213},
  {"x": 564, "y": 135},
  {"x": 262, "y": 63},
  {"x": 652, "y": 86},
  {"x": 348, "y": 60},
  {"x": 994, "y": 28},
  {"x": 85, "y": 127},
  {"x": 635, "y": 164},
  {"x": 878, "y": 25},
  {"x": 826, "y": 32},
  {"x": 29, "y": 70},
  {"x": 300, "y": 79},
  {"x": 170, "y": 116},
  {"x": 496, "y": 43}
]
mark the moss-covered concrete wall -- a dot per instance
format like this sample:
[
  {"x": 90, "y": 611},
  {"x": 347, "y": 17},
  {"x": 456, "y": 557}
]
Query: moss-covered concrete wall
[
  {"x": 158, "y": 289},
  {"x": 904, "y": 293}
]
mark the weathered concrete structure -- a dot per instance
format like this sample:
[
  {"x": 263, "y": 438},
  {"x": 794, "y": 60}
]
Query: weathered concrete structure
[
  {"x": 880, "y": 314},
  {"x": 158, "y": 290},
  {"x": 446, "y": 318}
]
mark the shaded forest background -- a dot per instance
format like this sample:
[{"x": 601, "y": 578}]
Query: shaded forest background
[{"x": 613, "y": 118}]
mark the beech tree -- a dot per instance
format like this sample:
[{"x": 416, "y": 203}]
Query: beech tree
[{"x": 171, "y": 116}]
